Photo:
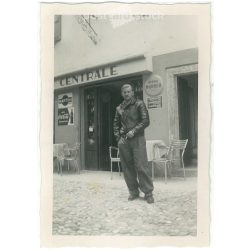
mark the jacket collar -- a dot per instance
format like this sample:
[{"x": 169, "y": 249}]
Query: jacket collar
[{"x": 125, "y": 104}]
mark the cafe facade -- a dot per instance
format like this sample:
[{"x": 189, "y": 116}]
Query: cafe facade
[{"x": 85, "y": 100}]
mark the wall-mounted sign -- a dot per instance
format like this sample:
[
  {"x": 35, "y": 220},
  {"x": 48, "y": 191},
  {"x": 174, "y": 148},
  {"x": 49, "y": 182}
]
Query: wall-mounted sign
[
  {"x": 65, "y": 100},
  {"x": 66, "y": 116},
  {"x": 154, "y": 102},
  {"x": 154, "y": 85},
  {"x": 139, "y": 64},
  {"x": 88, "y": 76}
]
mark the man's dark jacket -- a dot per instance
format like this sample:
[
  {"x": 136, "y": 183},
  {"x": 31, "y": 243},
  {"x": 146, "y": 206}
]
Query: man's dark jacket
[{"x": 132, "y": 115}]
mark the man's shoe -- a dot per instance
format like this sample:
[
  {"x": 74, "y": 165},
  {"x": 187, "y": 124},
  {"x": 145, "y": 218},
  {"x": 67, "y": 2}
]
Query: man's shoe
[
  {"x": 133, "y": 197},
  {"x": 150, "y": 199}
]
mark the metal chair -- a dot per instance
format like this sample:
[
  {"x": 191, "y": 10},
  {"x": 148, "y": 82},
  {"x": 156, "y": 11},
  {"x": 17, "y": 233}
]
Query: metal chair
[
  {"x": 177, "y": 149},
  {"x": 59, "y": 155},
  {"x": 160, "y": 155},
  {"x": 72, "y": 156},
  {"x": 167, "y": 155},
  {"x": 60, "y": 162},
  {"x": 114, "y": 157}
]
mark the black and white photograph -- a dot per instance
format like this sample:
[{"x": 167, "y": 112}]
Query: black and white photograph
[
  {"x": 127, "y": 137},
  {"x": 125, "y": 124}
]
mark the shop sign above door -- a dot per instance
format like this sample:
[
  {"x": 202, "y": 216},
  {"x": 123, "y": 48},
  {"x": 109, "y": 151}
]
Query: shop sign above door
[
  {"x": 138, "y": 64},
  {"x": 87, "y": 76},
  {"x": 154, "y": 85}
]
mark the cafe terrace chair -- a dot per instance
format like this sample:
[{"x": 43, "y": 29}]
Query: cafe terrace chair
[
  {"x": 174, "y": 152},
  {"x": 71, "y": 156},
  {"x": 60, "y": 162},
  {"x": 114, "y": 157},
  {"x": 160, "y": 155},
  {"x": 59, "y": 155},
  {"x": 177, "y": 150}
]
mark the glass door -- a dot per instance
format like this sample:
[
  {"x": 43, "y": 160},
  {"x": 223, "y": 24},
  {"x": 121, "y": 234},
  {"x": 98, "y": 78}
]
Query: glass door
[
  {"x": 91, "y": 136},
  {"x": 100, "y": 103}
]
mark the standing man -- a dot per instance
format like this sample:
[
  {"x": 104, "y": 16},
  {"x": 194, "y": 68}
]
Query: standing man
[{"x": 131, "y": 118}]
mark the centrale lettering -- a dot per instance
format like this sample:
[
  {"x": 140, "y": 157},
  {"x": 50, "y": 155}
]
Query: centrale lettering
[{"x": 91, "y": 75}]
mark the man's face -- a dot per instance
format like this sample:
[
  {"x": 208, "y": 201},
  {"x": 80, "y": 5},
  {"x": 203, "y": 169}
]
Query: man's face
[{"x": 127, "y": 93}]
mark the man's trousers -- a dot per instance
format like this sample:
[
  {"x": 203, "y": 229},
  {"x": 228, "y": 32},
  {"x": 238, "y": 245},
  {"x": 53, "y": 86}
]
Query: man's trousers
[{"x": 134, "y": 163}]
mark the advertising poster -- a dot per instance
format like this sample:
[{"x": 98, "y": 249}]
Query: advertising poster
[
  {"x": 154, "y": 102},
  {"x": 154, "y": 85},
  {"x": 65, "y": 100},
  {"x": 66, "y": 116}
]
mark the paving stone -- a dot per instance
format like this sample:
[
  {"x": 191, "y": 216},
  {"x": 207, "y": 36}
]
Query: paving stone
[{"x": 89, "y": 205}]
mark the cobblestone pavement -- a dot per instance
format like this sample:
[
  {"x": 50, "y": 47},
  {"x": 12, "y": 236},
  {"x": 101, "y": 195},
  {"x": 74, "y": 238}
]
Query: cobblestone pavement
[{"x": 93, "y": 204}]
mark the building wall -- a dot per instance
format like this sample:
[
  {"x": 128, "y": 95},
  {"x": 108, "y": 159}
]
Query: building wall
[
  {"x": 159, "y": 123},
  {"x": 170, "y": 45},
  {"x": 65, "y": 133},
  {"x": 76, "y": 51},
  {"x": 159, "y": 117}
]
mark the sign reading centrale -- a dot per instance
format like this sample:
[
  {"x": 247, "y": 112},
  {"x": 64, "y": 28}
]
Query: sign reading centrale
[
  {"x": 138, "y": 64},
  {"x": 87, "y": 76},
  {"x": 154, "y": 85}
]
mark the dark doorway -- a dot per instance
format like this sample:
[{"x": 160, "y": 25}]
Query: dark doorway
[
  {"x": 188, "y": 115},
  {"x": 90, "y": 125},
  {"x": 100, "y": 106},
  {"x": 109, "y": 99}
]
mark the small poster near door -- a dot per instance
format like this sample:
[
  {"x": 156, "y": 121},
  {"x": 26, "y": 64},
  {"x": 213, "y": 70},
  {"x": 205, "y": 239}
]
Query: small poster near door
[
  {"x": 154, "y": 102},
  {"x": 66, "y": 116}
]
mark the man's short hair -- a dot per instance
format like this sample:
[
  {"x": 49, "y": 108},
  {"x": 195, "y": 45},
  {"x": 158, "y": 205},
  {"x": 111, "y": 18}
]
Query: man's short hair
[{"x": 126, "y": 85}]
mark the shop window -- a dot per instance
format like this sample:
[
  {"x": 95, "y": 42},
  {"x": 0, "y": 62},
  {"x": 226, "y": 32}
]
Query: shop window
[
  {"x": 138, "y": 88},
  {"x": 57, "y": 28}
]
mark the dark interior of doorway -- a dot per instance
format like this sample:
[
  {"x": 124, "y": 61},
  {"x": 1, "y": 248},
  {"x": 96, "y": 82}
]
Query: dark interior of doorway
[
  {"x": 109, "y": 98},
  {"x": 188, "y": 115},
  {"x": 100, "y": 106}
]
